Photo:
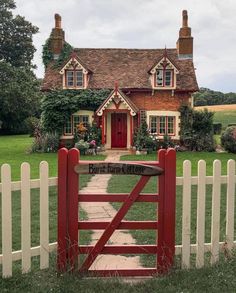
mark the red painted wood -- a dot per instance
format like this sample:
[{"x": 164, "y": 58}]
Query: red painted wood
[
  {"x": 121, "y": 249},
  {"x": 169, "y": 206},
  {"x": 61, "y": 210},
  {"x": 149, "y": 163},
  {"x": 160, "y": 211},
  {"x": 131, "y": 130},
  {"x": 103, "y": 129},
  {"x": 118, "y": 130},
  {"x": 131, "y": 225},
  {"x": 114, "y": 223},
  {"x": 116, "y": 197},
  {"x": 123, "y": 272},
  {"x": 73, "y": 187}
]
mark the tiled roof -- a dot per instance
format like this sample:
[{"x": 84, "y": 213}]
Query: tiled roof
[{"x": 129, "y": 67}]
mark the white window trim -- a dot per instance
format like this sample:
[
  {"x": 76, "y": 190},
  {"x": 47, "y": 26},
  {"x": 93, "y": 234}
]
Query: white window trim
[
  {"x": 159, "y": 66},
  {"x": 175, "y": 114}
]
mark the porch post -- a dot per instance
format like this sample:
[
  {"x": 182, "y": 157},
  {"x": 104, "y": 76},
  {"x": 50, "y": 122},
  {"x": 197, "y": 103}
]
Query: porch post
[
  {"x": 103, "y": 128},
  {"x": 131, "y": 130}
]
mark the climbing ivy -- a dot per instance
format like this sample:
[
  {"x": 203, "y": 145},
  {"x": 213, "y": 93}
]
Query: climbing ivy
[
  {"x": 58, "y": 105},
  {"x": 48, "y": 55}
]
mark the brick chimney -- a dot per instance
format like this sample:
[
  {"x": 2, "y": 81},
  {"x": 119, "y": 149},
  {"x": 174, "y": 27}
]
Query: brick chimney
[
  {"x": 57, "y": 37},
  {"x": 185, "y": 42}
]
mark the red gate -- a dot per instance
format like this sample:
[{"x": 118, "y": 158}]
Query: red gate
[{"x": 68, "y": 221}]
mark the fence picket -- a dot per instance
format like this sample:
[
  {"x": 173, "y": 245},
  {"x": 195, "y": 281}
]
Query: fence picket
[
  {"x": 44, "y": 217},
  {"x": 25, "y": 218},
  {"x": 6, "y": 221},
  {"x": 230, "y": 204},
  {"x": 201, "y": 197},
  {"x": 215, "y": 221},
  {"x": 186, "y": 216}
]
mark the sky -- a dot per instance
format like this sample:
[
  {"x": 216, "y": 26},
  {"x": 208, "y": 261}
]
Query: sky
[{"x": 144, "y": 24}]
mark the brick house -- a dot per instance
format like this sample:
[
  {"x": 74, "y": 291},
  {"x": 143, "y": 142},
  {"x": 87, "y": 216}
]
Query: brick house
[{"x": 146, "y": 84}]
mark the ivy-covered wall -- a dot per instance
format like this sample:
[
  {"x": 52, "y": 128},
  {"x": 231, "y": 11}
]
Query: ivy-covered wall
[{"x": 58, "y": 105}]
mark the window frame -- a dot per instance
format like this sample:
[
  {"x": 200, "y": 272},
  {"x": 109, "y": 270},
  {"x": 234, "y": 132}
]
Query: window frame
[
  {"x": 166, "y": 125},
  {"x": 80, "y": 116},
  {"x": 74, "y": 86},
  {"x": 163, "y": 85}
]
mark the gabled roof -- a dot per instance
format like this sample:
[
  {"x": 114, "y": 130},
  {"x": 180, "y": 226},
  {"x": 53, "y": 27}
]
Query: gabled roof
[
  {"x": 74, "y": 60},
  {"x": 120, "y": 96},
  {"x": 164, "y": 60},
  {"x": 128, "y": 66}
]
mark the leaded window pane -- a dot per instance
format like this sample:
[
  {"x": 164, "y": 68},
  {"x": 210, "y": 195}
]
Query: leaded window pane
[
  {"x": 79, "y": 78},
  {"x": 153, "y": 124},
  {"x": 159, "y": 76},
  {"x": 168, "y": 78},
  {"x": 170, "y": 128},
  {"x": 70, "y": 78},
  {"x": 162, "y": 125}
]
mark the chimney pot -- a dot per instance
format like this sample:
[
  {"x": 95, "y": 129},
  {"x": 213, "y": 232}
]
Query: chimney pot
[
  {"x": 185, "y": 18},
  {"x": 57, "y": 21}
]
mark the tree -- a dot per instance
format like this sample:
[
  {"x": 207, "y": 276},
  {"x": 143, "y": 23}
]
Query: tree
[{"x": 19, "y": 88}]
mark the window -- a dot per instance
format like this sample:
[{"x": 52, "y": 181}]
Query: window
[
  {"x": 164, "y": 77},
  {"x": 153, "y": 124},
  {"x": 143, "y": 116},
  {"x": 74, "y": 78},
  {"x": 67, "y": 127},
  {"x": 70, "y": 126},
  {"x": 77, "y": 119},
  {"x": 162, "y": 125}
]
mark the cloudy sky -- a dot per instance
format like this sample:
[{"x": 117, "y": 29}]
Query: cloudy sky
[{"x": 144, "y": 24}]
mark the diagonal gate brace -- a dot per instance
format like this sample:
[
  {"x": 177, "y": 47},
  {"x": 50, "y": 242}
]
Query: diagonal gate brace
[{"x": 114, "y": 224}]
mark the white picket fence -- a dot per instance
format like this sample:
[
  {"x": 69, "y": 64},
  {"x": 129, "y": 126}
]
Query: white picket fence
[{"x": 186, "y": 249}]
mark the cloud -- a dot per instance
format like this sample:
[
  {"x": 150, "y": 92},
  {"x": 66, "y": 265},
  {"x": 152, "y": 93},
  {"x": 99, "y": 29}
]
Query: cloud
[{"x": 145, "y": 24}]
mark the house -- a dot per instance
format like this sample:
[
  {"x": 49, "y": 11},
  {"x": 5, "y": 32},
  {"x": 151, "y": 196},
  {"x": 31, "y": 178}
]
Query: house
[{"x": 146, "y": 85}]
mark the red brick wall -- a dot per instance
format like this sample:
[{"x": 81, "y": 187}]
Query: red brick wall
[{"x": 161, "y": 100}]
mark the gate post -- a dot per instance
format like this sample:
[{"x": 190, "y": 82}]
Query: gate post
[
  {"x": 166, "y": 211},
  {"x": 170, "y": 207},
  {"x": 62, "y": 210},
  {"x": 72, "y": 212}
]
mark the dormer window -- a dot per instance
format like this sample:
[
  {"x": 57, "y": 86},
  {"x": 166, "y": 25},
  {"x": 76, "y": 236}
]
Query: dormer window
[
  {"x": 74, "y": 79},
  {"x": 164, "y": 73},
  {"x": 164, "y": 77},
  {"x": 74, "y": 74}
]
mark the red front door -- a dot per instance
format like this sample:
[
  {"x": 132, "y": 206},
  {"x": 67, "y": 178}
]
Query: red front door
[{"x": 118, "y": 130}]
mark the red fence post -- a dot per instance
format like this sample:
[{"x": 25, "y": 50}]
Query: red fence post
[
  {"x": 160, "y": 212},
  {"x": 170, "y": 207},
  {"x": 72, "y": 190},
  {"x": 62, "y": 210}
]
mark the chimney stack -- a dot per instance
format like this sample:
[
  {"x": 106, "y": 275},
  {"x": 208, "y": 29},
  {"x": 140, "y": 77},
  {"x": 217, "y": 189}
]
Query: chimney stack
[
  {"x": 185, "y": 42},
  {"x": 57, "y": 37}
]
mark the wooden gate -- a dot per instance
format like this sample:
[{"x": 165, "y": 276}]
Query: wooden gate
[{"x": 69, "y": 169}]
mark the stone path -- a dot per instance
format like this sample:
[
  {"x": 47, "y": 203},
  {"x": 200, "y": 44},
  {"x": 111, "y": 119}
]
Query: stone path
[{"x": 105, "y": 212}]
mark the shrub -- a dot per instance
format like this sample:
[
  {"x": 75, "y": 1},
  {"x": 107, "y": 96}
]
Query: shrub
[
  {"x": 228, "y": 139},
  {"x": 141, "y": 136},
  {"x": 196, "y": 129},
  {"x": 217, "y": 128},
  {"x": 45, "y": 143},
  {"x": 82, "y": 146},
  {"x": 31, "y": 123}
]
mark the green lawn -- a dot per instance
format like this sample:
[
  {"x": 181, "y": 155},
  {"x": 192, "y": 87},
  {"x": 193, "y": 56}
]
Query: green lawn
[
  {"x": 147, "y": 211},
  {"x": 225, "y": 117},
  {"x": 219, "y": 278},
  {"x": 14, "y": 151}
]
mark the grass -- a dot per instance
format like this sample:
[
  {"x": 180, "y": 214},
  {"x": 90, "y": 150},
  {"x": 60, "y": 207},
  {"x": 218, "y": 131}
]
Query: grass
[
  {"x": 225, "y": 117},
  {"x": 147, "y": 211},
  {"x": 219, "y": 278},
  {"x": 13, "y": 150},
  {"x": 225, "y": 114}
]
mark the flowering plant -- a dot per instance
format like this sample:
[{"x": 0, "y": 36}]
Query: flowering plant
[{"x": 92, "y": 144}]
